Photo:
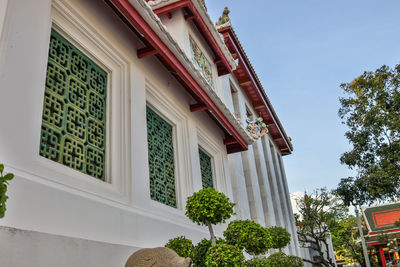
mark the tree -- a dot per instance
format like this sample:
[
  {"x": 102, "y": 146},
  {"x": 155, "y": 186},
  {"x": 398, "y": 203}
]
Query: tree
[
  {"x": 371, "y": 110},
  {"x": 248, "y": 235},
  {"x": 353, "y": 193},
  {"x": 4, "y": 179},
  {"x": 344, "y": 237},
  {"x": 208, "y": 207},
  {"x": 318, "y": 213}
]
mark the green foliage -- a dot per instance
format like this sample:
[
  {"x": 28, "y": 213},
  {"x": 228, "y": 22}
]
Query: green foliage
[
  {"x": 280, "y": 259},
  {"x": 279, "y": 237},
  {"x": 200, "y": 251},
  {"x": 352, "y": 191},
  {"x": 318, "y": 213},
  {"x": 249, "y": 235},
  {"x": 277, "y": 259},
  {"x": 344, "y": 233},
  {"x": 182, "y": 246},
  {"x": 209, "y": 206},
  {"x": 3, "y": 189},
  {"x": 295, "y": 261},
  {"x": 397, "y": 224},
  {"x": 224, "y": 255},
  {"x": 256, "y": 262},
  {"x": 344, "y": 237},
  {"x": 371, "y": 111}
]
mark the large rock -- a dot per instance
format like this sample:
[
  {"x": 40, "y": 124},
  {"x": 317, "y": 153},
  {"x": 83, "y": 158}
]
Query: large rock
[{"x": 157, "y": 257}]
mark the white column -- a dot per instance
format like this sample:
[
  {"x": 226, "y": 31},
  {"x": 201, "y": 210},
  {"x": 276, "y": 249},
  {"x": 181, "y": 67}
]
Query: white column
[
  {"x": 239, "y": 186},
  {"x": 290, "y": 208},
  {"x": 283, "y": 197},
  {"x": 272, "y": 180},
  {"x": 265, "y": 188},
  {"x": 252, "y": 186}
]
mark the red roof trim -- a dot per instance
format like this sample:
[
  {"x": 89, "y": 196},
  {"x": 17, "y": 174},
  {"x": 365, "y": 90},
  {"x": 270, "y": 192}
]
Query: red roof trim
[
  {"x": 168, "y": 57},
  {"x": 231, "y": 37},
  {"x": 221, "y": 61}
]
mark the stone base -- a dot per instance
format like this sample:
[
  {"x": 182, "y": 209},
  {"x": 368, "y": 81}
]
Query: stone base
[{"x": 20, "y": 248}]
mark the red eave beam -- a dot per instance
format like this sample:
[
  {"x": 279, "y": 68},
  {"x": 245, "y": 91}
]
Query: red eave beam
[
  {"x": 146, "y": 51},
  {"x": 133, "y": 16},
  {"x": 198, "y": 107},
  {"x": 223, "y": 65},
  {"x": 227, "y": 33}
]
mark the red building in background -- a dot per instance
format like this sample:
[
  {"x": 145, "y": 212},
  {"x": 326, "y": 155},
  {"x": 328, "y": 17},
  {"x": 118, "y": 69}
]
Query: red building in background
[{"x": 383, "y": 235}]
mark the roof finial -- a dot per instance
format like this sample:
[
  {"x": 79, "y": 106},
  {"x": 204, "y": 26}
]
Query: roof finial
[{"x": 224, "y": 19}]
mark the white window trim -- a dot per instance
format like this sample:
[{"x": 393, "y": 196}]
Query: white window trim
[
  {"x": 164, "y": 106},
  {"x": 77, "y": 30},
  {"x": 216, "y": 153}
]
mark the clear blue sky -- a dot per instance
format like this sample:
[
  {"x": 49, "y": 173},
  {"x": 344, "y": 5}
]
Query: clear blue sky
[{"x": 302, "y": 51}]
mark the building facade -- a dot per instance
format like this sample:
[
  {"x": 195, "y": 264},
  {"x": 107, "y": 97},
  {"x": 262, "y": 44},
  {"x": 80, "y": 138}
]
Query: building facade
[{"x": 113, "y": 113}]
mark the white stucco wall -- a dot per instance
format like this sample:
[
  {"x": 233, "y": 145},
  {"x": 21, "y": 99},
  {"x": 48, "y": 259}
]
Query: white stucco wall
[{"x": 42, "y": 198}]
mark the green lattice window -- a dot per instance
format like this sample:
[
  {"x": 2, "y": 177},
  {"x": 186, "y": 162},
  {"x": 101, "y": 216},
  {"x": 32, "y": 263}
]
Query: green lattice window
[
  {"x": 206, "y": 169},
  {"x": 74, "y": 111},
  {"x": 161, "y": 159}
]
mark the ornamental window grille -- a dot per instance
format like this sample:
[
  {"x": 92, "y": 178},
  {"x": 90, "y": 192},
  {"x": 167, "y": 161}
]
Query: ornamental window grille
[
  {"x": 201, "y": 61},
  {"x": 161, "y": 159},
  {"x": 206, "y": 169},
  {"x": 73, "y": 131}
]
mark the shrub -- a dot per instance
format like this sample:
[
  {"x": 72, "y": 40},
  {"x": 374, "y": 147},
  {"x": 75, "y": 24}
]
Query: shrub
[
  {"x": 200, "y": 251},
  {"x": 3, "y": 189},
  {"x": 256, "y": 263},
  {"x": 224, "y": 255},
  {"x": 249, "y": 235},
  {"x": 280, "y": 238},
  {"x": 295, "y": 261},
  {"x": 278, "y": 259},
  {"x": 207, "y": 207},
  {"x": 182, "y": 246}
]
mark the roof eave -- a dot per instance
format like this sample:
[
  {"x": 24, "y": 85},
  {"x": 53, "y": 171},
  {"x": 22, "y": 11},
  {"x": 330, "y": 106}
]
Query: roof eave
[
  {"x": 140, "y": 14},
  {"x": 227, "y": 28}
]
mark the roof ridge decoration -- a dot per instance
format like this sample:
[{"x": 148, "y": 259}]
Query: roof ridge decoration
[
  {"x": 224, "y": 25},
  {"x": 224, "y": 20}
]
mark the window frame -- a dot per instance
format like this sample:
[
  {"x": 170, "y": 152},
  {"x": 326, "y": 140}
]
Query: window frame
[
  {"x": 73, "y": 27},
  {"x": 212, "y": 165},
  {"x": 174, "y": 143},
  {"x": 216, "y": 153},
  {"x": 107, "y": 154},
  {"x": 165, "y": 107}
]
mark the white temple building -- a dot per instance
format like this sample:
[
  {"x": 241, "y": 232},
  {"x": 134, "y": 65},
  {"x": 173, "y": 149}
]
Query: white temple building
[{"x": 112, "y": 113}]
